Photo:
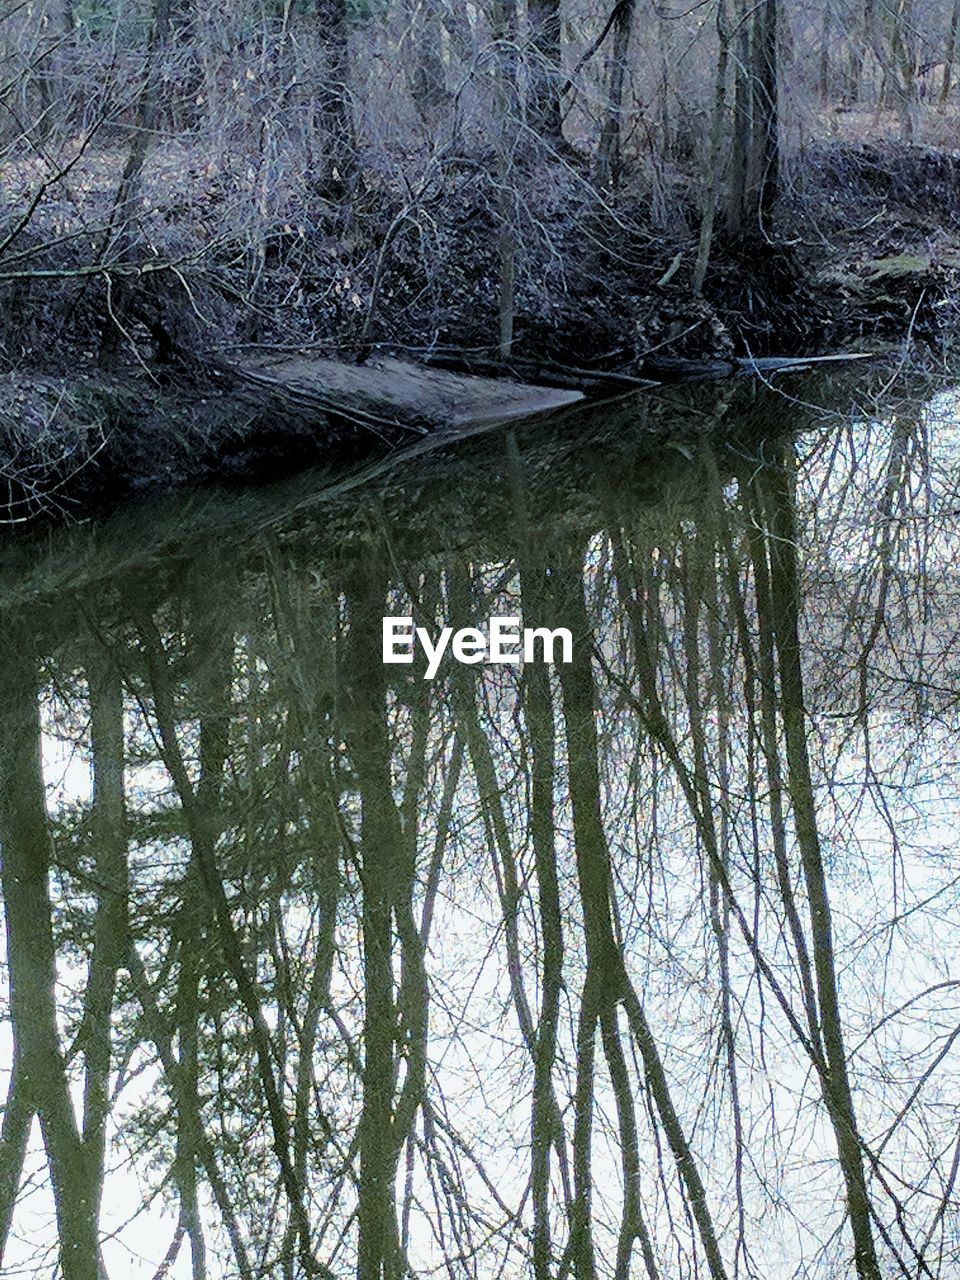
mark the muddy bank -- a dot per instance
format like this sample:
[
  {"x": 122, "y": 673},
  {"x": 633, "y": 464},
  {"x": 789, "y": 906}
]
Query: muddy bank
[{"x": 867, "y": 251}]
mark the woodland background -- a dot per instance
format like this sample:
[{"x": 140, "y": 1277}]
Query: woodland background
[{"x": 536, "y": 177}]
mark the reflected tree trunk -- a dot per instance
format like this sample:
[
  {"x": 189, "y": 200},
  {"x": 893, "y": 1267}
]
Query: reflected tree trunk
[
  {"x": 702, "y": 607},
  {"x": 189, "y": 1119},
  {"x": 538, "y": 1038},
  {"x": 200, "y": 808},
  {"x": 380, "y": 852},
  {"x": 536, "y": 597},
  {"x": 605, "y": 966},
  {"x": 188, "y": 1017},
  {"x": 786, "y": 595},
  {"x": 17, "y": 1119},
  {"x": 311, "y": 627},
  {"x": 546, "y": 1126},
  {"x": 109, "y": 953},
  {"x": 765, "y": 670},
  {"x": 40, "y": 1070}
]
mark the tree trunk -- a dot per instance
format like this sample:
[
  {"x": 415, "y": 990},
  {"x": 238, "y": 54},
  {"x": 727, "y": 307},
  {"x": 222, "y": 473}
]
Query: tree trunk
[
  {"x": 736, "y": 199},
  {"x": 543, "y": 109},
  {"x": 711, "y": 187},
  {"x": 826, "y": 39},
  {"x": 903, "y": 45},
  {"x": 503, "y": 18},
  {"x": 608, "y": 148},
  {"x": 765, "y": 159},
  {"x": 428, "y": 74},
  {"x": 336, "y": 116},
  {"x": 54, "y": 103},
  {"x": 862, "y": 40},
  {"x": 125, "y": 216},
  {"x": 950, "y": 56}
]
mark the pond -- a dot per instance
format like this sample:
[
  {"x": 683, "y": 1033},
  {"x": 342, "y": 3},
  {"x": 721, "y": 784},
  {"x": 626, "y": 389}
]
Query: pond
[{"x": 641, "y": 964}]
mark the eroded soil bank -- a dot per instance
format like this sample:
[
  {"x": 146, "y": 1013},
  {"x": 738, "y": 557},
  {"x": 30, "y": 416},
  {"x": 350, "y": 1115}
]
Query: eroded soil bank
[{"x": 866, "y": 254}]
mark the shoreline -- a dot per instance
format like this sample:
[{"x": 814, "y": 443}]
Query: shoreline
[{"x": 82, "y": 427}]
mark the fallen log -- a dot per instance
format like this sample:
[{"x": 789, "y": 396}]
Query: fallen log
[
  {"x": 395, "y": 393},
  {"x": 654, "y": 370},
  {"x": 790, "y": 364},
  {"x": 678, "y": 369},
  {"x": 545, "y": 373}
]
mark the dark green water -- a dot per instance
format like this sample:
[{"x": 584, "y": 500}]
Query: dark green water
[{"x": 639, "y": 965}]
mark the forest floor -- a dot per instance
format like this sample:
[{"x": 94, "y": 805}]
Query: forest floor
[{"x": 866, "y": 252}]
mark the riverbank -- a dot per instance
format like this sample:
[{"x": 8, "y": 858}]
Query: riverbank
[{"x": 118, "y": 380}]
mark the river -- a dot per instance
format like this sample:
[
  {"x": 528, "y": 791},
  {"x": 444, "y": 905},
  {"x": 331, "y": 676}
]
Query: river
[{"x": 637, "y": 965}]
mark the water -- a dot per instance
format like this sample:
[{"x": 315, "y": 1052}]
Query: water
[{"x": 642, "y": 965}]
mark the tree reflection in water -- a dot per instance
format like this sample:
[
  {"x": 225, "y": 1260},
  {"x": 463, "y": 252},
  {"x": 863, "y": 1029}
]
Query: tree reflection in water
[{"x": 640, "y": 966}]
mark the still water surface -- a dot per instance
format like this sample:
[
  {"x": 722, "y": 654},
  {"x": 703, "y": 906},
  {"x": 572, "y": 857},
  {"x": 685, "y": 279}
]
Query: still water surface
[{"x": 642, "y": 966}]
